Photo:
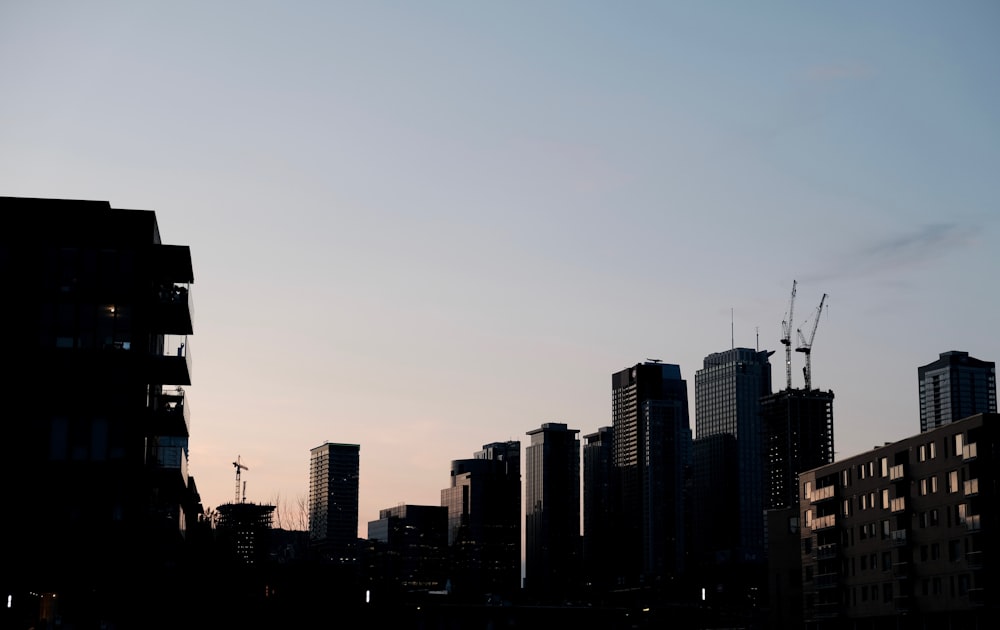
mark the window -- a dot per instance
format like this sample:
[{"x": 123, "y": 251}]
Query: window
[
  {"x": 923, "y": 487},
  {"x": 885, "y": 499},
  {"x": 807, "y": 489},
  {"x": 922, "y": 453},
  {"x": 847, "y": 507},
  {"x": 886, "y": 560},
  {"x": 884, "y": 466},
  {"x": 953, "y": 481},
  {"x": 845, "y": 477},
  {"x": 954, "y": 550},
  {"x": 935, "y": 551},
  {"x": 933, "y": 479},
  {"x": 931, "y": 450},
  {"x": 958, "y": 444}
]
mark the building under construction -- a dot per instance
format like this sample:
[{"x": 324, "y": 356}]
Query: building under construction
[
  {"x": 244, "y": 529},
  {"x": 798, "y": 436}
]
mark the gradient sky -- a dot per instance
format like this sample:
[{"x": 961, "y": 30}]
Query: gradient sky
[{"x": 425, "y": 226}]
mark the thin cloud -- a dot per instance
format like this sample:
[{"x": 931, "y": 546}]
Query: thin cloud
[{"x": 901, "y": 251}]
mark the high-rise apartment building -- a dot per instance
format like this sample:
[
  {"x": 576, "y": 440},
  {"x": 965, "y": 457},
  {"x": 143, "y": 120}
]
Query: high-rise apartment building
[
  {"x": 99, "y": 313},
  {"x": 598, "y": 510},
  {"x": 333, "y": 501},
  {"x": 484, "y": 523},
  {"x": 552, "y": 511},
  {"x": 408, "y": 547},
  {"x": 904, "y": 535},
  {"x": 651, "y": 447},
  {"x": 954, "y": 387}
]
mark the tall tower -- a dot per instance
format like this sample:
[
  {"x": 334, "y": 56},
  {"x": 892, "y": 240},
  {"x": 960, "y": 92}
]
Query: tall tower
[
  {"x": 798, "y": 436},
  {"x": 954, "y": 387},
  {"x": 598, "y": 509},
  {"x": 99, "y": 313},
  {"x": 651, "y": 446},
  {"x": 728, "y": 390},
  {"x": 484, "y": 522},
  {"x": 552, "y": 510},
  {"x": 333, "y": 501}
]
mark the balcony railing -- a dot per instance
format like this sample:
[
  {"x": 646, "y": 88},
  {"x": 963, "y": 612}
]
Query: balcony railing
[
  {"x": 971, "y": 487},
  {"x": 169, "y": 454},
  {"x": 825, "y": 552},
  {"x": 822, "y": 494},
  {"x": 902, "y": 603},
  {"x": 824, "y": 522},
  {"x": 897, "y": 472},
  {"x": 901, "y": 570},
  {"x": 171, "y": 413},
  {"x": 969, "y": 452},
  {"x": 974, "y": 559},
  {"x": 171, "y": 361},
  {"x": 827, "y": 580}
]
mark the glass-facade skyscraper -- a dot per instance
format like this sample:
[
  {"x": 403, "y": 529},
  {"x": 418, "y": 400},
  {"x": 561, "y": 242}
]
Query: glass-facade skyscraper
[
  {"x": 333, "y": 501},
  {"x": 954, "y": 387}
]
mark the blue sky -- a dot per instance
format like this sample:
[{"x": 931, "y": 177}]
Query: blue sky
[{"x": 423, "y": 227}]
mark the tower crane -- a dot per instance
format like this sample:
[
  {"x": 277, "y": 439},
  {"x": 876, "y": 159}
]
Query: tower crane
[
  {"x": 238, "y": 465},
  {"x": 786, "y": 337},
  {"x": 805, "y": 346}
]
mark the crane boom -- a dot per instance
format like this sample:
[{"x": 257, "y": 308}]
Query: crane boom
[
  {"x": 786, "y": 336},
  {"x": 805, "y": 346}
]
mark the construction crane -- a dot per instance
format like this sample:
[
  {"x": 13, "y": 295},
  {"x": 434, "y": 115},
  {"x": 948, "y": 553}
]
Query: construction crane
[
  {"x": 805, "y": 346},
  {"x": 786, "y": 337},
  {"x": 238, "y": 465}
]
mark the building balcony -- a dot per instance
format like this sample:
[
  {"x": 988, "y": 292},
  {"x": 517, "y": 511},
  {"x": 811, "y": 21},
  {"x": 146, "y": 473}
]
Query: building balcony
[
  {"x": 902, "y": 603},
  {"x": 172, "y": 364},
  {"x": 174, "y": 310},
  {"x": 897, "y": 505},
  {"x": 977, "y": 596},
  {"x": 971, "y": 487},
  {"x": 826, "y": 552},
  {"x": 974, "y": 559},
  {"x": 823, "y": 494},
  {"x": 897, "y": 472},
  {"x": 969, "y": 452},
  {"x": 824, "y": 522},
  {"x": 172, "y": 263},
  {"x": 170, "y": 413},
  {"x": 897, "y": 537},
  {"x": 972, "y": 522},
  {"x": 901, "y": 570},
  {"x": 167, "y": 458},
  {"x": 827, "y": 580}
]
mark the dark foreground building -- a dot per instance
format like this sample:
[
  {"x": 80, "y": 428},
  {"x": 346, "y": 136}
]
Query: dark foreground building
[
  {"x": 905, "y": 536},
  {"x": 100, "y": 500}
]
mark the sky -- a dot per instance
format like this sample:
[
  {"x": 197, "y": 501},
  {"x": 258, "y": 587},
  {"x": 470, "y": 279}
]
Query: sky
[{"x": 426, "y": 226}]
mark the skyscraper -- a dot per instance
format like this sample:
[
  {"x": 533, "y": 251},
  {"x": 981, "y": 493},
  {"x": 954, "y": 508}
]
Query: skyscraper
[
  {"x": 484, "y": 522},
  {"x": 598, "y": 509},
  {"x": 954, "y": 387},
  {"x": 99, "y": 315},
  {"x": 728, "y": 390},
  {"x": 651, "y": 447},
  {"x": 333, "y": 501},
  {"x": 552, "y": 510}
]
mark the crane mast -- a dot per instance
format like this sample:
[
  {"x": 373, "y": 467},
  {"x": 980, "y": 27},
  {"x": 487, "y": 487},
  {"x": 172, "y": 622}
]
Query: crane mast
[
  {"x": 805, "y": 346},
  {"x": 239, "y": 467},
  {"x": 786, "y": 337}
]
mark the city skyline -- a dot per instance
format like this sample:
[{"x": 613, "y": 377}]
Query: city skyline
[{"x": 423, "y": 229}]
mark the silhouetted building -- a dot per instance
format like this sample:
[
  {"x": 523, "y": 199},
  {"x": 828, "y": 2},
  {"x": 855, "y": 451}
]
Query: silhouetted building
[
  {"x": 728, "y": 474},
  {"x": 905, "y": 535},
  {"x": 244, "y": 530},
  {"x": 651, "y": 447},
  {"x": 552, "y": 511},
  {"x": 333, "y": 501},
  {"x": 409, "y": 551},
  {"x": 98, "y": 316},
  {"x": 955, "y": 386},
  {"x": 798, "y": 435},
  {"x": 598, "y": 510},
  {"x": 484, "y": 523}
]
